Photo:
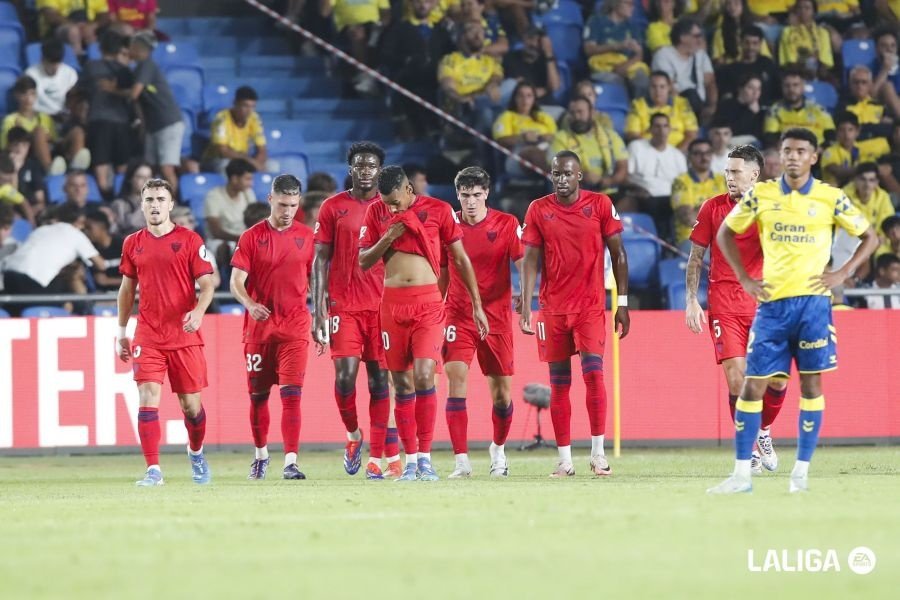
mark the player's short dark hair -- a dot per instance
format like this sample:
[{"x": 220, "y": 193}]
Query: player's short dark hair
[
  {"x": 365, "y": 148},
  {"x": 794, "y": 71},
  {"x": 564, "y": 154},
  {"x": 18, "y": 135},
  {"x": 413, "y": 169},
  {"x": 885, "y": 261},
  {"x": 890, "y": 223},
  {"x": 659, "y": 115},
  {"x": 584, "y": 99},
  {"x": 662, "y": 74},
  {"x": 286, "y": 185},
  {"x": 472, "y": 177},
  {"x": 7, "y": 215},
  {"x": 254, "y": 213},
  {"x": 7, "y": 166},
  {"x": 53, "y": 50},
  {"x": 865, "y": 167},
  {"x": 696, "y": 142},
  {"x": 749, "y": 154},
  {"x": 238, "y": 167},
  {"x": 320, "y": 181},
  {"x": 24, "y": 84},
  {"x": 156, "y": 183},
  {"x": 390, "y": 179},
  {"x": 111, "y": 42},
  {"x": 752, "y": 31},
  {"x": 802, "y": 134},
  {"x": 245, "y": 92},
  {"x": 98, "y": 216},
  {"x": 847, "y": 117},
  {"x": 67, "y": 212},
  {"x": 880, "y": 32},
  {"x": 748, "y": 77}
]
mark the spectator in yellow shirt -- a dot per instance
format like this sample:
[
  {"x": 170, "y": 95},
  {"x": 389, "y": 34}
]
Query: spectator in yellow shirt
[
  {"x": 604, "y": 159},
  {"x": 869, "y": 197},
  {"x": 890, "y": 227},
  {"x": 613, "y": 45},
  {"x": 840, "y": 159},
  {"x": 234, "y": 130},
  {"x": 524, "y": 129},
  {"x": 690, "y": 190},
  {"x": 39, "y": 125},
  {"x": 794, "y": 110},
  {"x": 470, "y": 79},
  {"x": 726, "y": 40},
  {"x": 662, "y": 99},
  {"x": 74, "y": 21},
  {"x": 662, "y": 14},
  {"x": 586, "y": 89},
  {"x": 356, "y": 21},
  {"x": 9, "y": 190},
  {"x": 496, "y": 43},
  {"x": 805, "y": 43},
  {"x": 873, "y": 121}
]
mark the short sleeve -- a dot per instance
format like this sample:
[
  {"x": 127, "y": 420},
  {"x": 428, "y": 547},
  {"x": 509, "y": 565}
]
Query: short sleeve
[
  {"x": 450, "y": 229},
  {"x": 848, "y": 216},
  {"x": 516, "y": 249},
  {"x": 531, "y": 231},
  {"x": 259, "y": 132},
  {"x": 126, "y": 264},
  {"x": 243, "y": 252},
  {"x": 772, "y": 123},
  {"x": 201, "y": 258},
  {"x": 219, "y": 129},
  {"x": 211, "y": 206},
  {"x": 610, "y": 221},
  {"x": 368, "y": 233},
  {"x": 744, "y": 213},
  {"x": 503, "y": 126},
  {"x": 702, "y": 233},
  {"x": 324, "y": 229},
  {"x": 633, "y": 120}
]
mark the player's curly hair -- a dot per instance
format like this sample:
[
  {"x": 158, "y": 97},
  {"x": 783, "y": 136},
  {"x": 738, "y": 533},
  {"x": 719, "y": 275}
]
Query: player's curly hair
[
  {"x": 157, "y": 183},
  {"x": 365, "y": 148},
  {"x": 749, "y": 154},
  {"x": 391, "y": 178},
  {"x": 472, "y": 177}
]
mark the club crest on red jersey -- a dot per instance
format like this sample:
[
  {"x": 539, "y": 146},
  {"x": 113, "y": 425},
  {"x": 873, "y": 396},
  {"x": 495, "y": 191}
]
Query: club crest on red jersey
[
  {"x": 299, "y": 241},
  {"x": 423, "y": 215},
  {"x": 549, "y": 216},
  {"x": 342, "y": 212},
  {"x": 263, "y": 241},
  {"x": 587, "y": 210},
  {"x": 491, "y": 236},
  {"x": 139, "y": 250},
  {"x": 385, "y": 218},
  {"x": 176, "y": 246}
]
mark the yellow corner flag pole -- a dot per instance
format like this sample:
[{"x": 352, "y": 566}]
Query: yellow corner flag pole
[{"x": 617, "y": 392}]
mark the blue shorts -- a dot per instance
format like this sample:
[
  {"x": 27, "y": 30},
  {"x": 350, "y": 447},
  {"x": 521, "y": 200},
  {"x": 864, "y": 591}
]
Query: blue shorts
[{"x": 797, "y": 328}]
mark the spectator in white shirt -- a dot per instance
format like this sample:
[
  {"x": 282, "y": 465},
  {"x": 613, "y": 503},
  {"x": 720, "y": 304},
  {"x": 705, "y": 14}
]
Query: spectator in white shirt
[
  {"x": 689, "y": 67},
  {"x": 8, "y": 243},
  {"x": 224, "y": 209},
  {"x": 54, "y": 78},
  {"x": 720, "y": 139},
  {"x": 887, "y": 277}
]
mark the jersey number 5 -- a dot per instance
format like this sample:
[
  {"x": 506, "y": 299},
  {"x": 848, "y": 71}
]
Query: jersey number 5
[{"x": 253, "y": 362}]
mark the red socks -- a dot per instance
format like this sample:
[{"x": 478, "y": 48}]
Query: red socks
[
  {"x": 196, "y": 429},
  {"x": 391, "y": 443},
  {"x": 457, "y": 423},
  {"x": 346, "y": 401},
  {"x": 259, "y": 418},
  {"x": 501, "y": 417},
  {"x": 149, "y": 433},
  {"x": 772, "y": 401},
  {"x": 560, "y": 405},
  {"x": 290, "y": 417},
  {"x": 379, "y": 412},
  {"x": 426, "y": 413},
  {"x": 595, "y": 398},
  {"x": 405, "y": 416}
]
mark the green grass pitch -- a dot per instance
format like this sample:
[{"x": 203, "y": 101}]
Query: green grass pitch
[{"x": 76, "y": 527}]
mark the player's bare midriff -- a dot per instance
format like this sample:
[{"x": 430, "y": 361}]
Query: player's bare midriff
[{"x": 402, "y": 269}]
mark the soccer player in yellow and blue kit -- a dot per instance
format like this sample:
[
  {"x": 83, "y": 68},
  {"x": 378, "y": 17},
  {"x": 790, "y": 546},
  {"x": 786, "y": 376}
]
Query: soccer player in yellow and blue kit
[{"x": 796, "y": 215}]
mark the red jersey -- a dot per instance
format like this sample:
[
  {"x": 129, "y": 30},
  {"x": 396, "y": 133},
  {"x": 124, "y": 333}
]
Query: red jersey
[
  {"x": 133, "y": 12},
  {"x": 573, "y": 241},
  {"x": 726, "y": 296},
  {"x": 438, "y": 228},
  {"x": 166, "y": 269},
  {"x": 278, "y": 264},
  {"x": 490, "y": 244},
  {"x": 349, "y": 287}
]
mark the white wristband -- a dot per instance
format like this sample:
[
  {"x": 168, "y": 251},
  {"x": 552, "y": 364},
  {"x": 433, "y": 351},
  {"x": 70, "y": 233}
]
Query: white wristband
[
  {"x": 123, "y": 333},
  {"x": 622, "y": 301}
]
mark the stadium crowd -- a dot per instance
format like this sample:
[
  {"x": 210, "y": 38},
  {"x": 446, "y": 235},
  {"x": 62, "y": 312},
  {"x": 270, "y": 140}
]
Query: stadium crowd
[{"x": 650, "y": 94}]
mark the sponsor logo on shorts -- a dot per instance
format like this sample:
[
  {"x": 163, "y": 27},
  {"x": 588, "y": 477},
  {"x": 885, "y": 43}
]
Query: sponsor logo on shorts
[{"x": 819, "y": 343}]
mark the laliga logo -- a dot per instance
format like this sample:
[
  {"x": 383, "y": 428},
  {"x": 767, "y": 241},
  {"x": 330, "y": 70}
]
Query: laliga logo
[{"x": 860, "y": 560}]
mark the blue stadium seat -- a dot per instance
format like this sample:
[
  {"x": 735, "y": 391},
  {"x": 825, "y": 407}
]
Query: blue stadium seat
[
  {"x": 189, "y": 128},
  {"x": 643, "y": 254},
  {"x": 105, "y": 310},
  {"x": 33, "y": 56},
  {"x": 262, "y": 184},
  {"x": 118, "y": 180},
  {"x": 43, "y": 312},
  {"x": 632, "y": 220},
  {"x": 231, "y": 309},
  {"x": 21, "y": 229},
  {"x": 565, "y": 83},
  {"x": 55, "y": 192},
  {"x": 8, "y": 13},
  {"x": 194, "y": 187},
  {"x": 822, "y": 93},
  {"x": 294, "y": 163},
  {"x": 93, "y": 51},
  {"x": 217, "y": 96},
  {"x": 171, "y": 53},
  {"x": 618, "y": 118},
  {"x": 676, "y": 295},
  {"x": 10, "y": 45},
  {"x": 8, "y": 76},
  {"x": 187, "y": 85},
  {"x": 671, "y": 270},
  {"x": 566, "y": 12},
  {"x": 363, "y": 129},
  {"x": 566, "y": 41},
  {"x": 447, "y": 193},
  {"x": 611, "y": 96},
  {"x": 3, "y": 314},
  {"x": 283, "y": 137},
  {"x": 273, "y": 108},
  {"x": 858, "y": 52}
]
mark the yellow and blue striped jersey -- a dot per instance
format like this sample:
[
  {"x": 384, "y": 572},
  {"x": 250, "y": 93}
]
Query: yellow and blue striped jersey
[{"x": 795, "y": 231}]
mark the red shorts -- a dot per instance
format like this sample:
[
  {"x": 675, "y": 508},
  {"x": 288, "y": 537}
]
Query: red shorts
[
  {"x": 269, "y": 364},
  {"x": 412, "y": 325},
  {"x": 186, "y": 367},
  {"x": 356, "y": 335},
  {"x": 495, "y": 352},
  {"x": 729, "y": 334},
  {"x": 559, "y": 336}
]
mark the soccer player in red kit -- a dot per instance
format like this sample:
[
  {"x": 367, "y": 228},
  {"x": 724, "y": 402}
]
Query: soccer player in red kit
[
  {"x": 270, "y": 277},
  {"x": 408, "y": 232},
  {"x": 347, "y": 301},
  {"x": 569, "y": 230},
  {"x": 491, "y": 240},
  {"x": 731, "y": 309},
  {"x": 166, "y": 261}
]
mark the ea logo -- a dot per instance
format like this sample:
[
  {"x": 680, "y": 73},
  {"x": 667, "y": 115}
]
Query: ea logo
[{"x": 861, "y": 560}]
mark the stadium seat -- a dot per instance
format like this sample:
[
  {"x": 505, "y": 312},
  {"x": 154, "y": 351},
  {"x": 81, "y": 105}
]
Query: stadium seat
[
  {"x": 186, "y": 82},
  {"x": 858, "y": 52},
  {"x": 93, "y": 51},
  {"x": 262, "y": 184},
  {"x": 643, "y": 254},
  {"x": 671, "y": 271},
  {"x": 8, "y": 76},
  {"x": 565, "y": 83},
  {"x": 822, "y": 93},
  {"x": 231, "y": 309},
  {"x": 3, "y": 314},
  {"x": 105, "y": 310},
  {"x": 611, "y": 96},
  {"x": 566, "y": 12},
  {"x": 55, "y": 192},
  {"x": 566, "y": 41},
  {"x": 44, "y": 312},
  {"x": 10, "y": 45},
  {"x": 630, "y": 221},
  {"x": 216, "y": 96},
  {"x": 33, "y": 56},
  {"x": 8, "y": 13},
  {"x": 20, "y": 229},
  {"x": 447, "y": 193},
  {"x": 676, "y": 295},
  {"x": 189, "y": 128},
  {"x": 294, "y": 163},
  {"x": 118, "y": 180},
  {"x": 180, "y": 53},
  {"x": 283, "y": 137},
  {"x": 194, "y": 187}
]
